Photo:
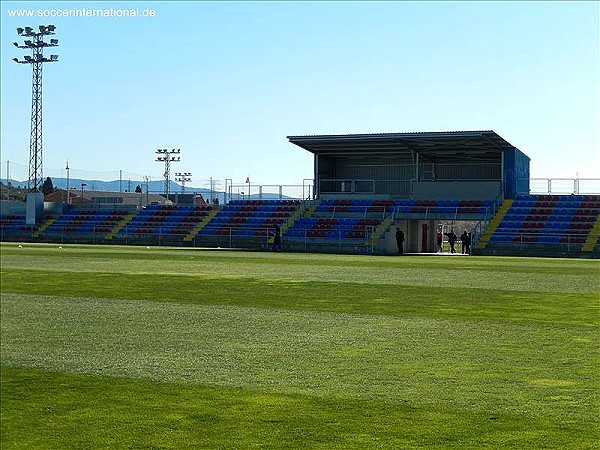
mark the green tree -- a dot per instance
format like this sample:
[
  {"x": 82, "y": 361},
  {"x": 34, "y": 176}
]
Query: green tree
[{"x": 47, "y": 187}]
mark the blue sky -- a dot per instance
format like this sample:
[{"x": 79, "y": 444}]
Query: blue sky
[{"x": 227, "y": 82}]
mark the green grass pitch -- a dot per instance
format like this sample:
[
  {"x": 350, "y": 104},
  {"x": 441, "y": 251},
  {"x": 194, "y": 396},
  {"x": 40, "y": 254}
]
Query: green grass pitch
[{"x": 129, "y": 347}]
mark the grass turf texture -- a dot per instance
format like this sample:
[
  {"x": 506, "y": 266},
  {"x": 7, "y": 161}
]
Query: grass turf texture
[{"x": 172, "y": 348}]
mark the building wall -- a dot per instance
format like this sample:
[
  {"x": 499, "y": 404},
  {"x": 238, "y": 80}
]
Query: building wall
[
  {"x": 516, "y": 173},
  {"x": 13, "y": 208},
  {"x": 457, "y": 190},
  {"x": 399, "y": 177},
  {"x": 419, "y": 236}
]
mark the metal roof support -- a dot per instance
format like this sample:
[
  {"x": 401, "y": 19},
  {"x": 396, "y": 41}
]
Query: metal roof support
[
  {"x": 417, "y": 168},
  {"x": 317, "y": 182},
  {"x": 502, "y": 180}
]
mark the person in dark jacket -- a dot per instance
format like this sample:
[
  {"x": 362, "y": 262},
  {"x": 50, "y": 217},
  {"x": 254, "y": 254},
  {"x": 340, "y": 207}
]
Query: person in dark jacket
[
  {"x": 465, "y": 239},
  {"x": 451, "y": 240},
  {"x": 400, "y": 240},
  {"x": 276, "y": 238}
]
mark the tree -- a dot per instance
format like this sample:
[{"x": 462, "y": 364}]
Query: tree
[
  {"x": 138, "y": 189},
  {"x": 47, "y": 187}
]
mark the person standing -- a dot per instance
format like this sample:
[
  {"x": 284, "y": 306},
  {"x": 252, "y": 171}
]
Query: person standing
[
  {"x": 451, "y": 240},
  {"x": 468, "y": 247},
  {"x": 438, "y": 239},
  {"x": 463, "y": 239},
  {"x": 400, "y": 240},
  {"x": 277, "y": 238}
]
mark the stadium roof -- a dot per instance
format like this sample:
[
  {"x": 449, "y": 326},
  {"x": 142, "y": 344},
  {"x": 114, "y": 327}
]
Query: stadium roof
[{"x": 477, "y": 145}]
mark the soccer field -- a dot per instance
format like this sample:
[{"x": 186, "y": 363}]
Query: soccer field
[{"x": 129, "y": 347}]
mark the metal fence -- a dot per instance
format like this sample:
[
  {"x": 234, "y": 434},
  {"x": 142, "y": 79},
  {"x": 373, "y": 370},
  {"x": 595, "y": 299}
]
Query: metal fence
[
  {"x": 564, "y": 186},
  {"x": 217, "y": 237},
  {"x": 249, "y": 191},
  {"x": 567, "y": 241}
]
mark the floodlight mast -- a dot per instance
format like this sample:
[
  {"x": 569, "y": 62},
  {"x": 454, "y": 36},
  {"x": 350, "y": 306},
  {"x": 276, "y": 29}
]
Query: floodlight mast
[
  {"x": 167, "y": 156},
  {"x": 36, "y": 45},
  {"x": 183, "y": 178}
]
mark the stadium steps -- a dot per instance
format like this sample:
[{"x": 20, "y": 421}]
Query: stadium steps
[
  {"x": 119, "y": 226},
  {"x": 381, "y": 230},
  {"x": 308, "y": 213},
  {"x": 43, "y": 227},
  {"x": 300, "y": 212},
  {"x": 288, "y": 224},
  {"x": 592, "y": 238},
  {"x": 194, "y": 231},
  {"x": 494, "y": 223}
]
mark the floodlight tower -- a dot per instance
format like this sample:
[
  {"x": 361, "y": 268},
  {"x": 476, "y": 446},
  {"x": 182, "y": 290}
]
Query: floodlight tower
[
  {"x": 183, "y": 178},
  {"x": 36, "y": 44},
  {"x": 167, "y": 156}
]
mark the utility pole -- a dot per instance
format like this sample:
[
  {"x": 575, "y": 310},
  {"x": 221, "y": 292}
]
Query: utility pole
[
  {"x": 68, "y": 192},
  {"x": 7, "y": 180},
  {"x": 36, "y": 44},
  {"x": 147, "y": 179}
]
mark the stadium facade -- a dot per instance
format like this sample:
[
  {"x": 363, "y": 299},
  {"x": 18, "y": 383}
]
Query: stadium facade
[
  {"x": 434, "y": 165},
  {"x": 365, "y": 187}
]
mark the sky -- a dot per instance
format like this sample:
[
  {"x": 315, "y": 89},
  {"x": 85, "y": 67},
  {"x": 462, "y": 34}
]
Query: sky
[{"x": 226, "y": 82}]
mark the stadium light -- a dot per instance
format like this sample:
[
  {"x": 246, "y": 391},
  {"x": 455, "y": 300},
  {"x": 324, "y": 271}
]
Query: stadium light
[
  {"x": 36, "y": 59},
  {"x": 183, "y": 178},
  {"x": 167, "y": 156}
]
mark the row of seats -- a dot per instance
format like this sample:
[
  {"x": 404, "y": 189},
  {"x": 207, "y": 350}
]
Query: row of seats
[
  {"x": 548, "y": 219},
  {"x": 530, "y": 218},
  {"x": 86, "y": 221},
  {"x": 250, "y": 218},
  {"x": 176, "y": 220},
  {"x": 14, "y": 223},
  {"x": 332, "y": 228}
]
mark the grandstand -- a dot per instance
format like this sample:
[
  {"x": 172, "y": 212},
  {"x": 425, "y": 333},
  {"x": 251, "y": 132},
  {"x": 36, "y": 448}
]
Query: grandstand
[
  {"x": 365, "y": 186},
  {"x": 554, "y": 223}
]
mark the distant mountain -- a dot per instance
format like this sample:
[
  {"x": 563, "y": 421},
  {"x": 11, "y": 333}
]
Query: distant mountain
[
  {"x": 123, "y": 186},
  {"x": 154, "y": 187}
]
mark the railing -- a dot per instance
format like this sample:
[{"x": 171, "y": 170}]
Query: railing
[
  {"x": 564, "y": 186},
  {"x": 568, "y": 241},
  {"x": 446, "y": 212},
  {"x": 366, "y": 186},
  {"x": 557, "y": 186},
  {"x": 423, "y": 212},
  {"x": 365, "y": 211},
  {"x": 306, "y": 239},
  {"x": 249, "y": 191},
  {"x": 347, "y": 186}
]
